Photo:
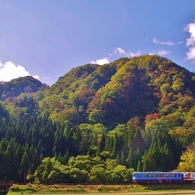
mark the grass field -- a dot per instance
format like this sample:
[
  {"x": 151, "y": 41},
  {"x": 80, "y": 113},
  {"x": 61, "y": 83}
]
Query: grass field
[{"x": 102, "y": 189}]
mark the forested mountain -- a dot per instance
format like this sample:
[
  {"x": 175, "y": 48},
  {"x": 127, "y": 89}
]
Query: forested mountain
[
  {"x": 134, "y": 114},
  {"x": 17, "y": 95},
  {"x": 20, "y": 85},
  {"x": 116, "y": 92}
]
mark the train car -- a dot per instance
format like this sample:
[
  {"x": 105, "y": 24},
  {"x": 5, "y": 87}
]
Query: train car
[
  {"x": 188, "y": 177},
  {"x": 156, "y": 177}
]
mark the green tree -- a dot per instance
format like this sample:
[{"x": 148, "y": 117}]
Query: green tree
[
  {"x": 98, "y": 174},
  {"x": 139, "y": 166},
  {"x": 187, "y": 160},
  {"x": 121, "y": 174},
  {"x": 25, "y": 165},
  {"x": 12, "y": 161},
  {"x": 51, "y": 171},
  {"x": 129, "y": 160}
]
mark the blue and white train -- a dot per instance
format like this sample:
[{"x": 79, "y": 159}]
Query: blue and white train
[{"x": 162, "y": 177}]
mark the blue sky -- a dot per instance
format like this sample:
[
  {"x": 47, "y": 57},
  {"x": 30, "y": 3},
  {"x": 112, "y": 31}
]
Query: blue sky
[{"x": 46, "y": 39}]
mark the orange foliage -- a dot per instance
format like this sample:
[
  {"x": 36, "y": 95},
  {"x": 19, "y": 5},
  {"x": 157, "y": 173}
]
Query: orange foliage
[{"x": 150, "y": 117}]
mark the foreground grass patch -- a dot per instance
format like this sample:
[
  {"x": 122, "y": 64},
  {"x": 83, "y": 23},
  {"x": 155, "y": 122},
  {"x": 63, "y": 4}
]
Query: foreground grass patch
[{"x": 79, "y": 189}]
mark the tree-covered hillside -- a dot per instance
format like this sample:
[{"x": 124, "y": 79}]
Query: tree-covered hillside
[
  {"x": 20, "y": 85},
  {"x": 17, "y": 96},
  {"x": 134, "y": 114},
  {"x": 116, "y": 92}
]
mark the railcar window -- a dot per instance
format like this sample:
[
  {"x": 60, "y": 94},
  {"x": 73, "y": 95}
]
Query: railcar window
[{"x": 146, "y": 175}]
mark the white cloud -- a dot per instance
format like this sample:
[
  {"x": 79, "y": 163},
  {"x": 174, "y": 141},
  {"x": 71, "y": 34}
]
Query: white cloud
[
  {"x": 36, "y": 77},
  {"x": 152, "y": 53},
  {"x": 163, "y": 52},
  {"x": 190, "y": 54},
  {"x": 119, "y": 50},
  {"x": 190, "y": 41},
  {"x": 138, "y": 53},
  {"x": 101, "y": 61},
  {"x": 9, "y": 71},
  {"x": 169, "y": 43}
]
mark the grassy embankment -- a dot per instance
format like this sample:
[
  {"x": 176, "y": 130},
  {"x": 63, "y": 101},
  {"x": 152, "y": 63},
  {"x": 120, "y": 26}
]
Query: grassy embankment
[{"x": 68, "y": 189}]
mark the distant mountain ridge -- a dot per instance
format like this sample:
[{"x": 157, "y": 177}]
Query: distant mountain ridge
[
  {"x": 116, "y": 92},
  {"x": 15, "y": 87},
  {"x": 112, "y": 93}
]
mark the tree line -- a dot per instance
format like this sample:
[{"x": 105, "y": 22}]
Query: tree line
[{"x": 39, "y": 149}]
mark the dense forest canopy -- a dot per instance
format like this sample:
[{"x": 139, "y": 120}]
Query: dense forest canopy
[{"x": 98, "y": 123}]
